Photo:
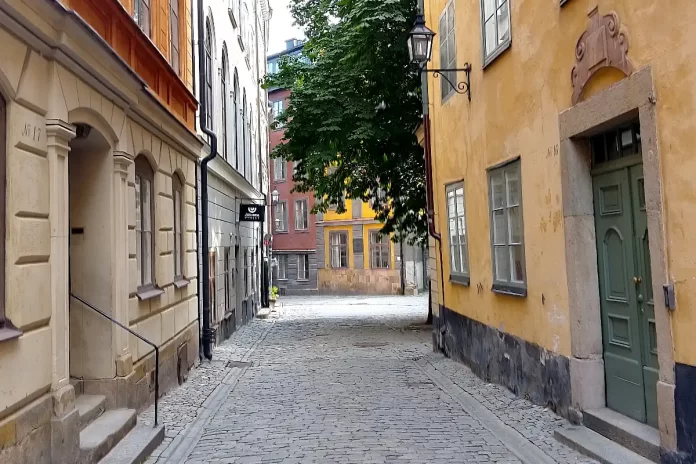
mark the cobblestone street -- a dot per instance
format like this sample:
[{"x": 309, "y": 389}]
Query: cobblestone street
[{"x": 348, "y": 380}]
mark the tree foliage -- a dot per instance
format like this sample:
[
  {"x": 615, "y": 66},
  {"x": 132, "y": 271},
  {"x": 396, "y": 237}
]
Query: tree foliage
[{"x": 354, "y": 105}]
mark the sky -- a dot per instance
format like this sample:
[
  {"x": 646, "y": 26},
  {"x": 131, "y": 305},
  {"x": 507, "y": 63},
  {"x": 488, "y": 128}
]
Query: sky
[{"x": 281, "y": 28}]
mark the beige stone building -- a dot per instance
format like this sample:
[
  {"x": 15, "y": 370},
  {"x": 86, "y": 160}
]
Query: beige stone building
[{"x": 98, "y": 159}]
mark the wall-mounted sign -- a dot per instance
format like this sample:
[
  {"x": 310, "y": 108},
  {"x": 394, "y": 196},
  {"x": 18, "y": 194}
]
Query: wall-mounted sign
[{"x": 251, "y": 213}]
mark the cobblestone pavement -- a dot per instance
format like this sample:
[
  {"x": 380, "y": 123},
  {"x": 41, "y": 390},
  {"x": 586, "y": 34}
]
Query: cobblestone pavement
[{"x": 348, "y": 380}]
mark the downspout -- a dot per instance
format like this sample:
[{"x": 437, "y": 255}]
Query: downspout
[
  {"x": 198, "y": 256},
  {"x": 429, "y": 186},
  {"x": 205, "y": 226}
]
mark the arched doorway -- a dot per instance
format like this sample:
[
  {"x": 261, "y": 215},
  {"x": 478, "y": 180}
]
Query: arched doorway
[{"x": 90, "y": 171}]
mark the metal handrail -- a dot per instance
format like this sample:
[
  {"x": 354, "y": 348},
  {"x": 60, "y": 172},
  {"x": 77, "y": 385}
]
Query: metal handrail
[{"x": 135, "y": 335}]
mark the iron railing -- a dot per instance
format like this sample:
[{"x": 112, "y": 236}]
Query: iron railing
[{"x": 135, "y": 335}]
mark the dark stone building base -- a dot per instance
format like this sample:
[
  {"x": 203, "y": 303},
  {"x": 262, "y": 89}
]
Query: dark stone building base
[
  {"x": 525, "y": 368},
  {"x": 685, "y": 412}
]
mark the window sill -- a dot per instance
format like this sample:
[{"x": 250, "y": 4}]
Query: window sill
[
  {"x": 281, "y": 232},
  {"x": 280, "y": 181},
  {"x": 496, "y": 53},
  {"x": 9, "y": 332},
  {"x": 460, "y": 280},
  {"x": 181, "y": 282},
  {"x": 302, "y": 231},
  {"x": 509, "y": 290},
  {"x": 148, "y": 292}
]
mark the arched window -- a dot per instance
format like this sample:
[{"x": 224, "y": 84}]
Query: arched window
[
  {"x": 235, "y": 115},
  {"x": 208, "y": 74},
  {"x": 3, "y": 156},
  {"x": 144, "y": 222},
  {"x": 179, "y": 226},
  {"x": 244, "y": 137},
  {"x": 223, "y": 90}
]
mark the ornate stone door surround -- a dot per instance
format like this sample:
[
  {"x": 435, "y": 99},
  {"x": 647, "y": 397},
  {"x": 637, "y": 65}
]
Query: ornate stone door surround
[{"x": 633, "y": 96}]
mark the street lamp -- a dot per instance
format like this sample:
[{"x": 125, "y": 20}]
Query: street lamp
[
  {"x": 275, "y": 196},
  {"x": 420, "y": 50}
]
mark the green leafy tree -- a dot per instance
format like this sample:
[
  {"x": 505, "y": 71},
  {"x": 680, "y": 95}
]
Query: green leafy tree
[{"x": 355, "y": 103}]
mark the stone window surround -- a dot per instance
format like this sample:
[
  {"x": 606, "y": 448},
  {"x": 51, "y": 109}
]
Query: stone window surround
[{"x": 631, "y": 97}]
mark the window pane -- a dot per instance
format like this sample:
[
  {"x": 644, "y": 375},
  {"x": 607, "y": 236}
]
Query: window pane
[
  {"x": 503, "y": 16},
  {"x": 512, "y": 180},
  {"x": 499, "y": 228},
  {"x": 147, "y": 257},
  {"x": 490, "y": 36},
  {"x": 456, "y": 259},
  {"x": 515, "y": 225},
  {"x": 488, "y": 8},
  {"x": 502, "y": 262},
  {"x": 464, "y": 258},
  {"x": 451, "y": 212},
  {"x": 517, "y": 263},
  {"x": 497, "y": 192},
  {"x": 139, "y": 255},
  {"x": 453, "y": 229}
]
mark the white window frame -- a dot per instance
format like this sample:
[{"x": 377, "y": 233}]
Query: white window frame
[
  {"x": 504, "y": 245},
  {"x": 277, "y": 106},
  {"x": 335, "y": 249},
  {"x": 457, "y": 233},
  {"x": 302, "y": 221},
  {"x": 282, "y": 267},
  {"x": 303, "y": 267},
  {"x": 281, "y": 212},
  {"x": 376, "y": 243},
  {"x": 503, "y": 45},
  {"x": 280, "y": 169},
  {"x": 448, "y": 49}
]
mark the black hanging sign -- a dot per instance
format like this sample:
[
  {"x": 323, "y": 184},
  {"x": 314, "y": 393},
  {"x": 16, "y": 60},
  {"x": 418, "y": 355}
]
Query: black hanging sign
[{"x": 251, "y": 213}]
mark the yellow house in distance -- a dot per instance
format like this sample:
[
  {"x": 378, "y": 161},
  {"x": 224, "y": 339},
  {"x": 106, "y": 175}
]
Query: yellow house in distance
[
  {"x": 563, "y": 196},
  {"x": 352, "y": 257}
]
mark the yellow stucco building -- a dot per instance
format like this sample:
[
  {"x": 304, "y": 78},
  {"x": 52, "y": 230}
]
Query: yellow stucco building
[
  {"x": 98, "y": 157},
  {"x": 352, "y": 257},
  {"x": 563, "y": 195}
]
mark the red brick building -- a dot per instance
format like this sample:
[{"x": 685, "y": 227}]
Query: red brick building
[{"x": 294, "y": 228}]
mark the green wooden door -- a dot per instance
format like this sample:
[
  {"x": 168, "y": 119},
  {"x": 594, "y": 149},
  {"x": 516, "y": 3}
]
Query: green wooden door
[
  {"x": 626, "y": 293},
  {"x": 644, "y": 289}
]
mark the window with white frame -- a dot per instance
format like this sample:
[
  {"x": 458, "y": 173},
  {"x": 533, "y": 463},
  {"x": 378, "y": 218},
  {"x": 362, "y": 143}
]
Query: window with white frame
[
  {"x": 281, "y": 217},
  {"x": 141, "y": 15},
  {"x": 495, "y": 20},
  {"x": 303, "y": 267},
  {"x": 448, "y": 50},
  {"x": 279, "y": 169},
  {"x": 301, "y": 214},
  {"x": 144, "y": 221},
  {"x": 507, "y": 237},
  {"x": 179, "y": 226},
  {"x": 379, "y": 250},
  {"x": 338, "y": 248},
  {"x": 174, "y": 35},
  {"x": 456, "y": 226},
  {"x": 282, "y": 267}
]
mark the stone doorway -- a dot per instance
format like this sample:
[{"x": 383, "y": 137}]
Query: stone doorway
[{"x": 90, "y": 171}]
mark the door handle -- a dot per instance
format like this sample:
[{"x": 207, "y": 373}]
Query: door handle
[{"x": 637, "y": 280}]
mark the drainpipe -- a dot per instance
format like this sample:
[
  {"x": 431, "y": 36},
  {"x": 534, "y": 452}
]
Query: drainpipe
[
  {"x": 205, "y": 226},
  {"x": 429, "y": 184}
]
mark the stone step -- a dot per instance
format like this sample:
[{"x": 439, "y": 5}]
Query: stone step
[
  {"x": 136, "y": 446},
  {"x": 77, "y": 385},
  {"x": 99, "y": 437},
  {"x": 90, "y": 407},
  {"x": 597, "y": 447},
  {"x": 638, "y": 437}
]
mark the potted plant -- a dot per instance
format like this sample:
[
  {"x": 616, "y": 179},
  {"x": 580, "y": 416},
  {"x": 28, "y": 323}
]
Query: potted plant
[{"x": 274, "y": 296}]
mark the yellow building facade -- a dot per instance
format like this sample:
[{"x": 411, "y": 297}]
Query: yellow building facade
[
  {"x": 98, "y": 157},
  {"x": 562, "y": 193},
  {"x": 351, "y": 255}
]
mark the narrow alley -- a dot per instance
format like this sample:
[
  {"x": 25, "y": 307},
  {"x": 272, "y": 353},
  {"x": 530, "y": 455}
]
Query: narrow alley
[{"x": 352, "y": 380}]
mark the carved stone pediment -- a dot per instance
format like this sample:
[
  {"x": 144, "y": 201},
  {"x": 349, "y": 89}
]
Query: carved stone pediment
[{"x": 602, "y": 45}]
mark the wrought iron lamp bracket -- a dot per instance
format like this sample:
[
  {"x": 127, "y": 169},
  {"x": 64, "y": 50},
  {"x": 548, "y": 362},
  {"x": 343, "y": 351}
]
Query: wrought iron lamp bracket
[{"x": 462, "y": 87}]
